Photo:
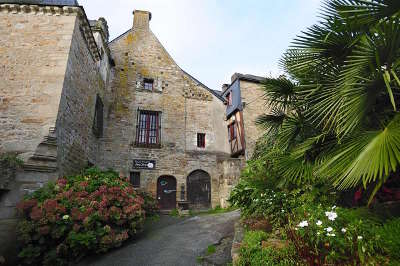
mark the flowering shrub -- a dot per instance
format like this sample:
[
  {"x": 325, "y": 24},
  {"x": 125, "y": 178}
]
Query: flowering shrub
[
  {"x": 77, "y": 215},
  {"x": 150, "y": 204},
  {"x": 335, "y": 235},
  {"x": 275, "y": 205}
]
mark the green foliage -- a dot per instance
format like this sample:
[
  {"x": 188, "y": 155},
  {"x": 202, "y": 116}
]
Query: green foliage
[
  {"x": 334, "y": 115},
  {"x": 389, "y": 236},
  {"x": 211, "y": 249},
  {"x": 78, "y": 215},
  {"x": 255, "y": 200},
  {"x": 336, "y": 235},
  {"x": 174, "y": 213},
  {"x": 252, "y": 252},
  {"x": 11, "y": 160}
]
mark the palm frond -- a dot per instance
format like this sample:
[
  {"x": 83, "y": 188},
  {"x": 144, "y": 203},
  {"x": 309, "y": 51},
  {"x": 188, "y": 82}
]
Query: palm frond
[
  {"x": 366, "y": 157},
  {"x": 362, "y": 13}
]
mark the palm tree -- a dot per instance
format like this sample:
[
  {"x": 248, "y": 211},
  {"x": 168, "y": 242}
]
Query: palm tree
[{"x": 336, "y": 115}]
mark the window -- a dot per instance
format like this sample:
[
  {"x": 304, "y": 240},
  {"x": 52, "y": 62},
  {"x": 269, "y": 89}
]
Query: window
[
  {"x": 148, "y": 84},
  {"x": 98, "y": 118},
  {"x": 229, "y": 98},
  {"x": 135, "y": 179},
  {"x": 148, "y": 128},
  {"x": 201, "y": 140},
  {"x": 232, "y": 132}
]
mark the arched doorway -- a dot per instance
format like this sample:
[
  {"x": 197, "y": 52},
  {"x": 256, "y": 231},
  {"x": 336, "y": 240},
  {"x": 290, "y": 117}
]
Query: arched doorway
[
  {"x": 199, "y": 189},
  {"x": 166, "y": 192}
]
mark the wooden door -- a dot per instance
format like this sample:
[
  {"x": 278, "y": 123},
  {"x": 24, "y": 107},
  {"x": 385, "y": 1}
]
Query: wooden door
[
  {"x": 166, "y": 192},
  {"x": 199, "y": 190}
]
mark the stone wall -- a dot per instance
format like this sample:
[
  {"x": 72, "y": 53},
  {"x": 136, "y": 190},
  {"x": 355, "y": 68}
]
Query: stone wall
[
  {"x": 77, "y": 144},
  {"x": 254, "y": 106},
  {"x": 33, "y": 54},
  {"x": 34, "y": 49},
  {"x": 229, "y": 170},
  {"x": 186, "y": 107}
]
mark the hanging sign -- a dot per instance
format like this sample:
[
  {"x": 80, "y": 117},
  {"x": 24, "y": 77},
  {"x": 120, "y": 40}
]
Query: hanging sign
[{"x": 144, "y": 164}]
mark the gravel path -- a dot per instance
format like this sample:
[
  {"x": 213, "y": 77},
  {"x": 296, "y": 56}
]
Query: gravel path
[{"x": 172, "y": 242}]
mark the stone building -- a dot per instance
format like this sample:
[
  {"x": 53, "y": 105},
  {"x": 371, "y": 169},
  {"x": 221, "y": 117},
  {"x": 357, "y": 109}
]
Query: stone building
[{"x": 70, "y": 98}]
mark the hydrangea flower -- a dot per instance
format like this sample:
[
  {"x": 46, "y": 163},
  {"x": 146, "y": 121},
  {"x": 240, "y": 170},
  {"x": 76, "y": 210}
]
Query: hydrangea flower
[{"x": 303, "y": 224}]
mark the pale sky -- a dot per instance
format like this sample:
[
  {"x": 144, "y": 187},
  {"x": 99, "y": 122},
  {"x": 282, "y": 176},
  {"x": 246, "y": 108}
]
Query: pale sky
[{"x": 212, "y": 39}]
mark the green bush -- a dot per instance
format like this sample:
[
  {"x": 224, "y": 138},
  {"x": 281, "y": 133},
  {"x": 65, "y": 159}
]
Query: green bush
[
  {"x": 255, "y": 200},
  {"x": 336, "y": 235},
  {"x": 390, "y": 238},
  {"x": 88, "y": 213},
  {"x": 252, "y": 253}
]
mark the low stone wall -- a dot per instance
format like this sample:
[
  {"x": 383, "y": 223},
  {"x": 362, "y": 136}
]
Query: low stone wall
[{"x": 237, "y": 241}]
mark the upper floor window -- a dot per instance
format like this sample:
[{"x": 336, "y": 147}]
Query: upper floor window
[
  {"x": 148, "y": 84},
  {"x": 98, "y": 118},
  {"x": 201, "y": 140},
  {"x": 232, "y": 131},
  {"x": 229, "y": 98},
  {"x": 148, "y": 128}
]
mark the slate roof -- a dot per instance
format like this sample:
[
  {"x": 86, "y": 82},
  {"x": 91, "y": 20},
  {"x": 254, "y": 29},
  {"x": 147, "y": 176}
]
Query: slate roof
[
  {"x": 42, "y": 2},
  {"x": 248, "y": 77}
]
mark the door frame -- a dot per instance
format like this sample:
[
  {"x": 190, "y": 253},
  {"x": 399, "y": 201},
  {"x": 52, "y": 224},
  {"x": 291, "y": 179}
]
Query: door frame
[
  {"x": 159, "y": 197},
  {"x": 208, "y": 203}
]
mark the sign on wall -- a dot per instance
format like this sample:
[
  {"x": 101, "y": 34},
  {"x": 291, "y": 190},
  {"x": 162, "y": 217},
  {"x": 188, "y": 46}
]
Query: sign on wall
[{"x": 144, "y": 164}]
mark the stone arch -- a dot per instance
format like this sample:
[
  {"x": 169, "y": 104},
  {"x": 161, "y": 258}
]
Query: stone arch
[
  {"x": 199, "y": 189},
  {"x": 166, "y": 192}
]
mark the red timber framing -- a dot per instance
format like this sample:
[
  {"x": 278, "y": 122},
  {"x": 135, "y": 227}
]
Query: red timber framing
[
  {"x": 148, "y": 129},
  {"x": 236, "y": 135}
]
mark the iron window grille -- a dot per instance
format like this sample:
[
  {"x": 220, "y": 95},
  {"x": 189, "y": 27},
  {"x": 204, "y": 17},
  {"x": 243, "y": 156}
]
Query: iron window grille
[
  {"x": 135, "y": 179},
  {"x": 148, "y": 84},
  {"x": 148, "y": 129},
  {"x": 98, "y": 118},
  {"x": 201, "y": 140},
  {"x": 232, "y": 132}
]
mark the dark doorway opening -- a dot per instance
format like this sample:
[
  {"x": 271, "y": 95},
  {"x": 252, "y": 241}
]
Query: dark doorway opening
[
  {"x": 166, "y": 192},
  {"x": 199, "y": 190}
]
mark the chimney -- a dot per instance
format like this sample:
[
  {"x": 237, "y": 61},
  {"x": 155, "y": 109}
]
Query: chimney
[{"x": 141, "y": 19}]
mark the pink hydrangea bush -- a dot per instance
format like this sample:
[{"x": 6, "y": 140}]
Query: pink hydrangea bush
[{"x": 78, "y": 215}]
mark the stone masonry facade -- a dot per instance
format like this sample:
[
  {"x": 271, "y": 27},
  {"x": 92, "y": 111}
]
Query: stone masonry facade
[{"x": 59, "y": 70}]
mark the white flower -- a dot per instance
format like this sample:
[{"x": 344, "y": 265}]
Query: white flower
[
  {"x": 329, "y": 229},
  {"x": 334, "y": 207},
  {"x": 318, "y": 222},
  {"x": 66, "y": 217},
  {"x": 303, "y": 224},
  {"x": 359, "y": 237},
  {"x": 330, "y": 234},
  {"x": 331, "y": 215},
  {"x": 344, "y": 230}
]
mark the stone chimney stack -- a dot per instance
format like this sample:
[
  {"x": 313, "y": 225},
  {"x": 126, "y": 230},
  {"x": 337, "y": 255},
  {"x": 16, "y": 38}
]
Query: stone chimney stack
[{"x": 141, "y": 20}]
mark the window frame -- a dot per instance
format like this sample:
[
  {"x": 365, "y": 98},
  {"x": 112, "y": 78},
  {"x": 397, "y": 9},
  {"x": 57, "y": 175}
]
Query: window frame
[
  {"x": 146, "y": 84},
  {"x": 229, "y": 98},
  {"x": 232, "y": 134},
  {"x": 98, "y": 119},
  {"x": 148, "y": 129},
  {"x": 201, "y": 140},
  {"x": 132, "y": 176}
]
